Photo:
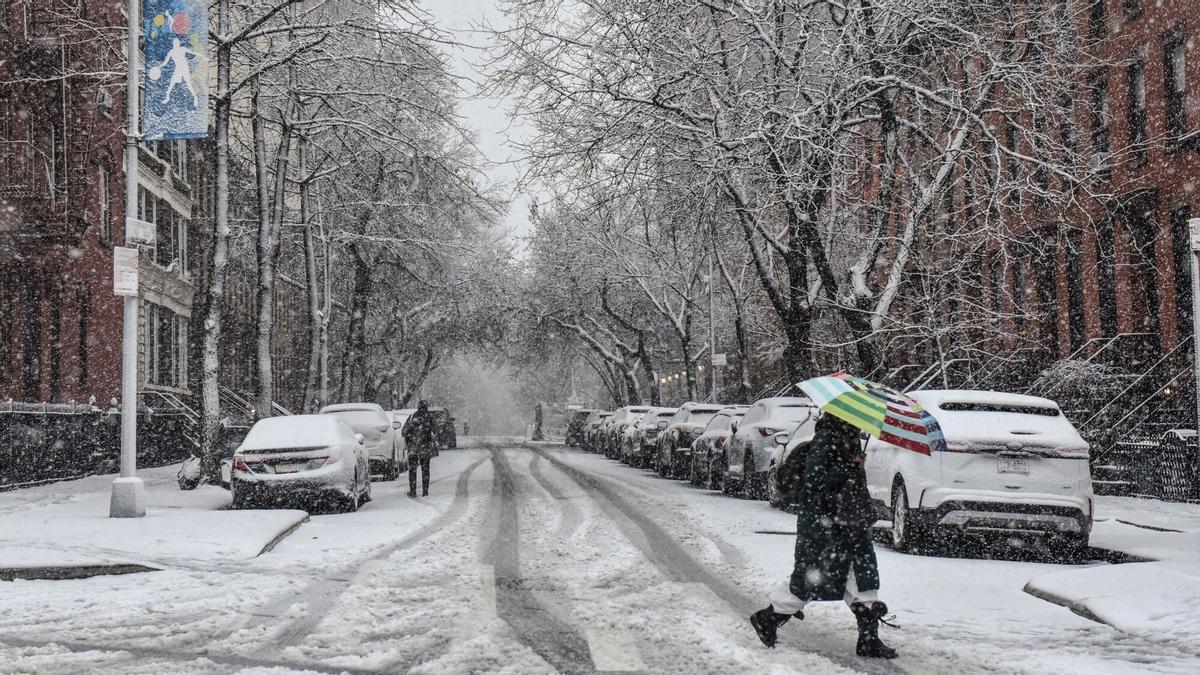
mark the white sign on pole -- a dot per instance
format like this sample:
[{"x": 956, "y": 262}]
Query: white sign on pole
[
  {"x": 1194, "y": 226},
  {"x": 125, "y": 271},
  {"x": 719, "y": 359},
  {"x": 140, "y": 232}
]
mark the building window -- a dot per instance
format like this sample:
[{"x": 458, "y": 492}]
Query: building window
[
  {"x": 1175, "y": 74},
  {"x": 1182, "y": 256},
  {"x": 56, "y": 345},
  {"x": 1132, "y": 9},
  {"x": 1142, "y": 233},
  {"x": 104, "y": 224},
  {"x": 85, "y": 322},
  {"x": 1076, "y": 326},
  {"x": 1041, "y": 177},
  {"x": 1106, "y": 280},
  {"x": 1137, "y": 108},
  {"x": 6, "y": 330},
  {"x": 1014, "y": 166},
  {"x": 166, "y": 336},
  {"x": 1100, "y": 117},
  {"x": 1097, "y": 20},
  {"x": 31, "y": 348}
]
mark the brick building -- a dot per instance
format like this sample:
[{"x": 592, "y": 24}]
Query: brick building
[{"x": 61, "y": 211}]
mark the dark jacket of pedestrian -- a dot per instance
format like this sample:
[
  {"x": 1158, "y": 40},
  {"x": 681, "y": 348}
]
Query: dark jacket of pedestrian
[
  {"x": 420, "y": 433},
  {"x": 833, "y": 528}
]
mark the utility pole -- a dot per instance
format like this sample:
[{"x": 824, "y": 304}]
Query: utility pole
[
  {"x": 1194, "y": 227},
  {"x": 128, "y": 494}
]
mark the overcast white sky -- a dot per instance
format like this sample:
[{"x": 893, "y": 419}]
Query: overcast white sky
[{"x": 488, "y": 116}]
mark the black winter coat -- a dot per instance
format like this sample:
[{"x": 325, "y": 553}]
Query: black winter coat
[
  {"x": 833, "y": 528},
  {"x": 420, "y": 434}
]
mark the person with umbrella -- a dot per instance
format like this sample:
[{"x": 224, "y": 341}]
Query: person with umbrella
[{"x": 835, "y": 556}]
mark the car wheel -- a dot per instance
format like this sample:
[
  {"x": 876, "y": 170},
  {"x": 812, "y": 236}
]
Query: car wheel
[
  {"x": 774, "y": 494},
  {"x": 906, "y": 535},
  {"x": 238, "y": 497},
  {"x": 751, "y": 484},
  {"x": 366, "y": 497},
  {"x": 729, "y": 485},
  {"x": 693, "y": 471},
  {"x": 715, "y": 481},
  {"x": 664, "y": 464}
]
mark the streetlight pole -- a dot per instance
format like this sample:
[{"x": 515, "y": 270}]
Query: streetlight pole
[
  {"x": 1194, "y": 228},
  {"x": 128, "y": 495},
  {"x": 712, "y": 326}
]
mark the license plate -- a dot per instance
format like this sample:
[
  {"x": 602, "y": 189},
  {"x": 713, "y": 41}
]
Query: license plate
[
  {"x": 287, "y": 468},
  {"x": 1013, "y": 465}
]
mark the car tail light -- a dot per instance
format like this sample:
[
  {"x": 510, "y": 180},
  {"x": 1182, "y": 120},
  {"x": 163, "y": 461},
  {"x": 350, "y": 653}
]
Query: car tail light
[
  {"x": 239, "y": 463},
  {"x": 768, "y": 431},
  {"x": 720, "y": 441},
  {"x": 316, "y": 462}
]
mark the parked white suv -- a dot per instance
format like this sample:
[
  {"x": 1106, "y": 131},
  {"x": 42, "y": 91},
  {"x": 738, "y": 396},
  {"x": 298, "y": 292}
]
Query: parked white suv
[
  {"x": 745, "y": 464},
  {"x": 378, "y": 431},
  {"x": 1014, "y": 466}
]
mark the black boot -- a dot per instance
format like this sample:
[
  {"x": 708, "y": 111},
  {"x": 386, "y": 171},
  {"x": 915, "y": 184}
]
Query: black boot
[
  {"x": 869, "y": 644},
  {"x": 766, "y": 623}
]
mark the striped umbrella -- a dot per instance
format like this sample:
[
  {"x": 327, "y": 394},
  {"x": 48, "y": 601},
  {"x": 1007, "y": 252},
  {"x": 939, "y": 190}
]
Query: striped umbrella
[{"x": 881, "y": 411}]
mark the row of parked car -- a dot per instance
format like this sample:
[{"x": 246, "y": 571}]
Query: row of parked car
[
  {"x": 321, "y": 460},
  {"x": 1015, "y": 468}
]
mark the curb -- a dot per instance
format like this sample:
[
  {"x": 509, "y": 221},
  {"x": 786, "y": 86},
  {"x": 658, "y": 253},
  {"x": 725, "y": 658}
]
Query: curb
[
  {"x": 1075, "y": 607},
  {"x": 76, "y": 572},
  {"x": 282, "y": 535}
]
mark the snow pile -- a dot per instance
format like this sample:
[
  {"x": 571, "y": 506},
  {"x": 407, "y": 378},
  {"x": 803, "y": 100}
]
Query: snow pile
[
  {"x": 180, "y": 527},
  {"x": 1157, "y": 600}
]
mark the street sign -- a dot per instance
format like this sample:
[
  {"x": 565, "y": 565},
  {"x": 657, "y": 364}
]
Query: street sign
[
  {"x": 140, "y": 232},
  {"x": 1194, "y": 226},
  {"x": 719, "y": 359},
  {"x": 125, "y": 271}
]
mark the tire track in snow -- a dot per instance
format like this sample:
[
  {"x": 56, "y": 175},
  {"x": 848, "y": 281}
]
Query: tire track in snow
[
  {"x": 676, "y": 564},
  {"x": 571, "y": 518},
  {"x": 322, "y": 595},
  {"x": 535, "y": 626}
]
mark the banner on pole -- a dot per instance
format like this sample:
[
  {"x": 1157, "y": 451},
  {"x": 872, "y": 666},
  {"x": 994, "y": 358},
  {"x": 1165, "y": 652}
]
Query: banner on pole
[{"x": 175, "y": 101}]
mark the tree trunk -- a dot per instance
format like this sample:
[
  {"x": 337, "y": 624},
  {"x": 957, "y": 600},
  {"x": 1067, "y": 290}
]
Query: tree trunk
[
  {"x": 312, "y": 290},
  {"x": 356, "y": 341},
  {"x": 210, "y": 437},
  {"x": 743, "y": 347},
  {"x": 426, "y": 367},
  {"x": 326, "y": 312}
]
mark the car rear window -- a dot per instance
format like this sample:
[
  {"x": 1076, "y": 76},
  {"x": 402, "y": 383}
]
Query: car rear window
[
  {"x": 959, "y": 406},
  {"x": 359, "y": 419},
  {"x": 793, "y": 413},
  {"x": 701, "y": 417}
]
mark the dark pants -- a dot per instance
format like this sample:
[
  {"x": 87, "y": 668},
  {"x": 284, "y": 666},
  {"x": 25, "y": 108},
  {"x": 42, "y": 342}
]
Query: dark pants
[{"x": 423, "y": 463}]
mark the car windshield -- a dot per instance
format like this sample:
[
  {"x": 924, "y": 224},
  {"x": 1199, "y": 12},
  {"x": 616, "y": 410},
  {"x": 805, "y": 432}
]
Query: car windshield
[
  {"x": 700, "y": 417},
  {"x": 296, "y": 431}
]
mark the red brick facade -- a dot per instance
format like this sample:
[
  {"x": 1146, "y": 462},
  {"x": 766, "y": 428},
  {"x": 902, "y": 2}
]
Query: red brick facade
[{"x": 61, "y": 201}]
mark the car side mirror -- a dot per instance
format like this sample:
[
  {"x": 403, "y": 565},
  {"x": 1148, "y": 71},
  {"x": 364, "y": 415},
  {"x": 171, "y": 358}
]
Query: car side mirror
[
  {"x": 733, "y": 428},
  {"x": 397, "y": 425},
  {"x": 381, "y": 428},
  {"x": 781, "y": 438},
  {"x": 662, "y": 424},
  {"x": 359, "y": 438}
]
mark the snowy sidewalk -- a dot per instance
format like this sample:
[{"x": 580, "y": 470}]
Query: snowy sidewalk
[
  {"x": 1158, "y": 599},
  {"x": 63, "y": 530}
]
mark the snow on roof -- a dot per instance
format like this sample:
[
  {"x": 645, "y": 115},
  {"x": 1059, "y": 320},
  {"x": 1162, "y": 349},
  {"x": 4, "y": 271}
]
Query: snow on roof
[
  {"x": 340, "y": 407},
  {"x": 934, "y": 398},
  {"x": 787, "y": 401},
  {"x": 296, "y": 431}
]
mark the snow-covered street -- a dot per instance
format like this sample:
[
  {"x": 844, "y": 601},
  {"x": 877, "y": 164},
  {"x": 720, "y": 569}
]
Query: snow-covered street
[{"x": 529, "y": 559}]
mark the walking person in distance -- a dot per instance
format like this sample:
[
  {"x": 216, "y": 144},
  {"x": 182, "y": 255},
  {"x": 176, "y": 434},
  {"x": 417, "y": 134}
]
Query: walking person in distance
[{"x": 420, "y": 435}]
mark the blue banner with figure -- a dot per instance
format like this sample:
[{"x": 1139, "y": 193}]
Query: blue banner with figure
[{"x": 175, "y": 98}]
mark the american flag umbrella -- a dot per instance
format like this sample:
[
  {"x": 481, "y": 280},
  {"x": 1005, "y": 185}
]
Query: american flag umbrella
[{"x": 881, "y": 411}]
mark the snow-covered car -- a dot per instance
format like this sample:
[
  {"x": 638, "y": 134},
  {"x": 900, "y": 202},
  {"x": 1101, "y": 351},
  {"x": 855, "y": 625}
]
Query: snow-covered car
[
  {"x": 610, "y": 435},
  {"x": 399, "y": 418},
  {"x": 307, "y": 460},
  {"x": 745, "y": 463},
  {"x": 575, "y": 426},
  {"x": 639, "y": 442},
  {"x": 709, "y": 446},
  {"x": 378, "y": 432},
  {"x": 1013, "y": 466},
  {"x": 628, "y": 437},
  {"x": 591, "y": 430},
  {"x": 675, "y": 442}
]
